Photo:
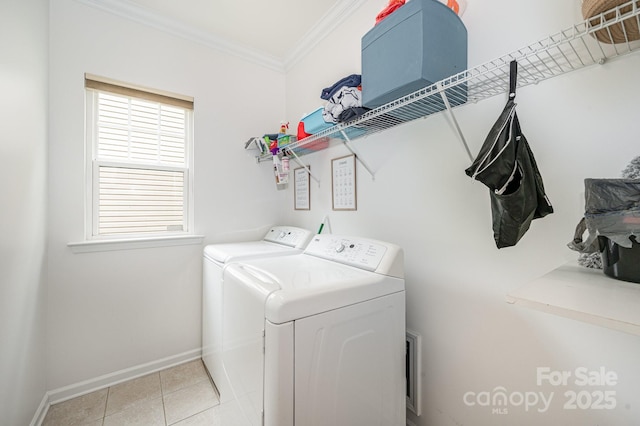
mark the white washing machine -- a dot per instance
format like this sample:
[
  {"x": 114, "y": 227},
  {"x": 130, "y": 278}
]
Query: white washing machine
[
  {"x": 318, "y": 338},
  {"x": 278, "y": 241}
]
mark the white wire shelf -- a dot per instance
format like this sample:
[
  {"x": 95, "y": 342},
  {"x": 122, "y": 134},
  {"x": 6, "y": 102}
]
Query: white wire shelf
[{"x": 568, "y": 50}]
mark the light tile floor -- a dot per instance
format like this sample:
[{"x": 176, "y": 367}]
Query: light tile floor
[{"x": 180, "y": 396}]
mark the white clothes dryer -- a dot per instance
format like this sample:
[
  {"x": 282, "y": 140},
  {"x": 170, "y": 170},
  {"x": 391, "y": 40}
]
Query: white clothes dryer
[
  {"x": 318, "y": 338},
  {"x": 278, "y": 241}
]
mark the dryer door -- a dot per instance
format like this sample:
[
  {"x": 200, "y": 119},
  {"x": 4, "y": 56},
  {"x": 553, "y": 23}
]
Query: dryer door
[
  {"x": 244, "y": 292},
  {"x": 350, "y": 365}
]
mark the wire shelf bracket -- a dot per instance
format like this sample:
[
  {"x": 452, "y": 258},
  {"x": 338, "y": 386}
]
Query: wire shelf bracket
[
  {"x": 453, "y": 119},
  {"x": 350, "y": 147},
  {"x": 301, "y": 164}
]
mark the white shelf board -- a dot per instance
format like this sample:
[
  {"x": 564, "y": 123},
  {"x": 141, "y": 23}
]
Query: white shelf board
[{"x": 583, "y": 294}]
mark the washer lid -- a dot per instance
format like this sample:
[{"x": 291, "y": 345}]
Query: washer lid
[
  {"x": 224, "y": 253},
  {"x": 277, "y": 241},
  {"x": 302, "y": 285}
]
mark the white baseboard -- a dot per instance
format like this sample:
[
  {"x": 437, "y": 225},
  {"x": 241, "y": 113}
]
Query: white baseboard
[
  {"x": 38, "y": 417},
  {"x": 77, "y": 389}
]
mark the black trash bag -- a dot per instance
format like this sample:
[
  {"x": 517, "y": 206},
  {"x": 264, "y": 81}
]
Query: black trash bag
[
  {"x": 506, "y": 165},
  {"x": 612, "y": 223},
  {"x": 612, "y": 210}
]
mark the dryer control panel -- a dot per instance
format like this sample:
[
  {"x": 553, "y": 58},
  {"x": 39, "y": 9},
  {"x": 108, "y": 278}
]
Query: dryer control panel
[
  {"x": 289, "y": 236},
  {"x": 362, "y": 253}
]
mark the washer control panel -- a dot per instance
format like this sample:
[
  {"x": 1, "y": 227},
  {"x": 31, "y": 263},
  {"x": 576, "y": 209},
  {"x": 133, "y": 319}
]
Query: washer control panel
[
  {"x": 357, "y": 252},
  {"x": 289, "y": 236}
]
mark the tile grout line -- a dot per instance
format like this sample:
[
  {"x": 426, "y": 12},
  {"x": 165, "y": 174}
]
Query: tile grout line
[
  {"x": 164, "y": 409},
  {"x": 205, "y": 378},
  {"x": 106, "y": 404}
]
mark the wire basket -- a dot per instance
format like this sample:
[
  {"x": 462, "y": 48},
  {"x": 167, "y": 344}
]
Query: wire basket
[{"x": 622, "y": 32}]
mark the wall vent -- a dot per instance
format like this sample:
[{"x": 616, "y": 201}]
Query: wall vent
[{"x": 414, "y": 355}]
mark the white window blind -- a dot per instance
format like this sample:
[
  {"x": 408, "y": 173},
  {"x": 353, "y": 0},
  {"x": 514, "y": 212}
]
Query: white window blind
[
  {"x": 140, "y": 201},
  {"x": 140, "y": 175}
]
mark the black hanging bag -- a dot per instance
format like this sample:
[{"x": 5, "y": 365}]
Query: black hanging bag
[{"x": 506, "y": 165}]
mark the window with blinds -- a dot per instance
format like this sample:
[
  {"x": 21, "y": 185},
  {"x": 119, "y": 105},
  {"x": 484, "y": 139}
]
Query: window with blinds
[{"x": 140, "y": 161}]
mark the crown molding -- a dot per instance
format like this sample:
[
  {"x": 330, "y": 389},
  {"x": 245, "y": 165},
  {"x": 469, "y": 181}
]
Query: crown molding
[
  {"x": 338, "y": 13},
  {"x": 133, "y": 12}
]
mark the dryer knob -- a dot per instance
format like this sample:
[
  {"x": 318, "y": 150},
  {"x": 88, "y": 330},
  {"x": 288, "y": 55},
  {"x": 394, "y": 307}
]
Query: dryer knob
[
  {"x": 340, "y": 248},
  {"x": 282, "y": 235}
]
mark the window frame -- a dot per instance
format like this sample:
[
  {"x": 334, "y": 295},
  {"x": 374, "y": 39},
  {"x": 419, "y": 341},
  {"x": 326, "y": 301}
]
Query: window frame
[{"x": 92, "y": 240}]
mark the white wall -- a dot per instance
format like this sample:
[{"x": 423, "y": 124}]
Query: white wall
[
  {"x": 579, "y": 125},
  {"x": 23, "y": 196},
  {"x": 114, "y": 310},
  {"x": 110, "y": 311}
]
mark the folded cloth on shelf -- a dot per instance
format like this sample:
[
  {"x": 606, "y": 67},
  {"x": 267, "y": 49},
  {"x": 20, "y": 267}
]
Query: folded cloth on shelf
[
  {"x": 352, "y": 80},
  {"x": 351, "y": 113},
  {"x": 344, "y": 98}
]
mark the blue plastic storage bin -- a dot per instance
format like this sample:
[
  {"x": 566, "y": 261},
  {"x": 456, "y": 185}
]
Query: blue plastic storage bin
[
  {"x": 314, "y": 123},
  {"x": 419, "y": 44}
]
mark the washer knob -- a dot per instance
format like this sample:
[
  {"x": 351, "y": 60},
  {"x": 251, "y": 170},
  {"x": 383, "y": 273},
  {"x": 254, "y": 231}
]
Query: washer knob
[{"x": 340, "y": 248}]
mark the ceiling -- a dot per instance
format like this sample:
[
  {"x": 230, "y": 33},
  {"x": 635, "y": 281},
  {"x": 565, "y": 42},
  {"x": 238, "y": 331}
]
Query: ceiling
[{"x": 270, "y": 32}]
